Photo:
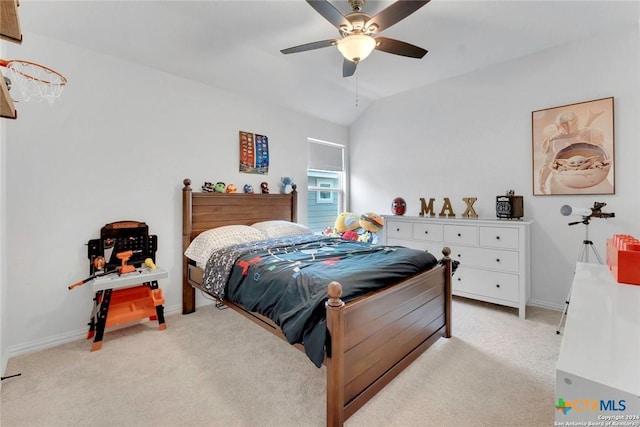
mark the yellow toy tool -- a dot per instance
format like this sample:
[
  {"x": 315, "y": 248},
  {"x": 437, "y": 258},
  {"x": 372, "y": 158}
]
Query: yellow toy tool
[{"x": 149, "y": 263}]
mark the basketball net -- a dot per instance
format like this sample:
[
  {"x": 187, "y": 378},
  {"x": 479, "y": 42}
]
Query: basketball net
[{"x": 35, "y": 82}]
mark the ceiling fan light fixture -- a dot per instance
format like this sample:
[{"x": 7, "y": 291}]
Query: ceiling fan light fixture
[{"x": 356, "y": 47}]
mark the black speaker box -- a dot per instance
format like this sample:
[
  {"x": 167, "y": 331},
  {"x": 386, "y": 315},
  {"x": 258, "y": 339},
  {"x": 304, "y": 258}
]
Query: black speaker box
[{"x": 509, "y": 207}]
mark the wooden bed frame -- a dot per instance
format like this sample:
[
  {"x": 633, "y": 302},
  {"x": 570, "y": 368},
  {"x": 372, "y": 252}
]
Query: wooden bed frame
[{"x": 371, "y": 339}]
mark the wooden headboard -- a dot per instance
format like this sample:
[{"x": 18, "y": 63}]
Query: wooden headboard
[{"x": 202, "y": 211}]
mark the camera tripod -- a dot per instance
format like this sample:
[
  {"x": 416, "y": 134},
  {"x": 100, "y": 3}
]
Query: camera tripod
[{"x": 587, "y": 245}]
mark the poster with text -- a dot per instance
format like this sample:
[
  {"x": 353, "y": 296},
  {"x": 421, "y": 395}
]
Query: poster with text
[{"x": 254, "y": 153}]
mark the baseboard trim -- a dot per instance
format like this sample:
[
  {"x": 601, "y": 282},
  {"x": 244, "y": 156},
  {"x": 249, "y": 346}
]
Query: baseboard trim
[
  {"x": 56, "y": 340},
  {"x": 547, "y": 305}
]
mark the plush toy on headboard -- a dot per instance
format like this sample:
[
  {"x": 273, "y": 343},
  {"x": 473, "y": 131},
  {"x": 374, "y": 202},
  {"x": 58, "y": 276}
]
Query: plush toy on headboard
[
  {"x": 284, "y": 183},
  {"x": 264, "y": 186},
  {"x": 220, "y": 187}
]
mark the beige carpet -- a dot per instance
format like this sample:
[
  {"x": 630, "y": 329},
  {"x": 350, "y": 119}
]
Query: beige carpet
[{"x": 215, "y": 368}]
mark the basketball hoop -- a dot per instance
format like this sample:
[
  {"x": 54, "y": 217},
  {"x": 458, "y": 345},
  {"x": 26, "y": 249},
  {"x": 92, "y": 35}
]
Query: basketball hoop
[{"x": 34, "y": 81}]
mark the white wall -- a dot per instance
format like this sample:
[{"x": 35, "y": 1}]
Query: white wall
[
  {"x": 116, "y": 145},
  {"x": 471, "y": 137}
]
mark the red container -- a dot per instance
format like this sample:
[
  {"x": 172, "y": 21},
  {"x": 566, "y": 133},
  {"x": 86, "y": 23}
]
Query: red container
[{"x": 623, "y": 258}]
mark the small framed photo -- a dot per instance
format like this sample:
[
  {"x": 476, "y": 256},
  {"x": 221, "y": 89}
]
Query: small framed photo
[{"x": 572, "y": 149}]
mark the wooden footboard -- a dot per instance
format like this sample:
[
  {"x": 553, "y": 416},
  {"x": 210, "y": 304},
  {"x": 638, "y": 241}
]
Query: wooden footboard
[{"x": 374, "y": 338}]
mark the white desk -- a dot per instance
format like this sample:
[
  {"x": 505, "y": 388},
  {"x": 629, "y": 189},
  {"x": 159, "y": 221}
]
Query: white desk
[{"x": 600, "y": 352}]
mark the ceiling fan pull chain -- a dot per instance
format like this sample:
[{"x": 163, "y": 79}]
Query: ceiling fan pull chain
[{"x": 357, "y": 90}]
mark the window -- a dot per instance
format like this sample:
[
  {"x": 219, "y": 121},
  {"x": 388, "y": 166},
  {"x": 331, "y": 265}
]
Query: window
[
  {"x": 324, "y": 196},
  {"x": 325, "y": 184}
]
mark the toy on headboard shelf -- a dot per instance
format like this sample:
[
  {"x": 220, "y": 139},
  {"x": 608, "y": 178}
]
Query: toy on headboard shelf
[
  {"x": 248, "y": 188},
  {"x": 264, "y": 186},
  {"x": 285, "y": 182},
  {"x": 231, "y": 188},
  {"x": 219, "y": 187}
]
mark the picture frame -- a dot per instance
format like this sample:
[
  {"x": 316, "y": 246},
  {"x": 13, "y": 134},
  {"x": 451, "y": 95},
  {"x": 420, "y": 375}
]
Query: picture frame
[{"x": 573, "y": 148}]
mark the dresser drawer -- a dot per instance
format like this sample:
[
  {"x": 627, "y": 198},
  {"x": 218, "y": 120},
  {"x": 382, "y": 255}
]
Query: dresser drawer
[
  {"x": 423, "y": 231},
  {"x": 462, "y": 234},
  {"x": 499, "y": 237},
  {"x": 399, "y": 229},
  {"x": 485, "y": 283},
  {"x": 494, "y": 259}
]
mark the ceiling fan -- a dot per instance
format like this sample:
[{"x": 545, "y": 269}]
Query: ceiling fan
[{"x": 359, "y": 32}]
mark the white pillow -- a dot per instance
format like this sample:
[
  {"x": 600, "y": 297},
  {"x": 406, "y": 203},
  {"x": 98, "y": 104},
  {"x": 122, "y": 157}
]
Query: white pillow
[
  {"x": 205, "y": 243},
  {"x": 279, "y": 228}
]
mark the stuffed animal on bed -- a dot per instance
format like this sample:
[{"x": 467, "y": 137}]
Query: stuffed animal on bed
[
  {"x": 351, "y": 235},
  {"x": 371, "y": 224},
  {"x": 350, "y": 226},
  {"x": 346, "y": 221}
]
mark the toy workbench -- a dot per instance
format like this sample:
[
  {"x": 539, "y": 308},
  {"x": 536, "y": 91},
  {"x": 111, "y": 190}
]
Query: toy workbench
[
  {"x": 126, "y": 298},
  {"x": 124, "y": 278}
]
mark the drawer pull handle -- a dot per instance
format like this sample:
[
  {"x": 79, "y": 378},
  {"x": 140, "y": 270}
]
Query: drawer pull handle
[
  {"x": 426, "y": 232},
  {"x": 459, "y": 279},
  {"x": 497, "y": 259},
  {"x": 459, "y": 235},
  {"x": 397, "y": 229},
  {"x": 459, "y": 256},
  {"x": 497, "y": 237},
  {"x": 497, "y": 285}
]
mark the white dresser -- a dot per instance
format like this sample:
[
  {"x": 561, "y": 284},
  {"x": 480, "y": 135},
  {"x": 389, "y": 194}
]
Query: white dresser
[
  {"x": 493, "y": 253},
  {"x": 598, "y": 370}
]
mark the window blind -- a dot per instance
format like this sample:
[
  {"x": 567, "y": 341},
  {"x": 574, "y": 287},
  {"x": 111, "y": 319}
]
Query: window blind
[{"x": 326, "y": 157}]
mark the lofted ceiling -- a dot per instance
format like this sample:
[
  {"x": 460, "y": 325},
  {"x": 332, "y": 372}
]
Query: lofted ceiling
[{"x": 235, "y": 45}]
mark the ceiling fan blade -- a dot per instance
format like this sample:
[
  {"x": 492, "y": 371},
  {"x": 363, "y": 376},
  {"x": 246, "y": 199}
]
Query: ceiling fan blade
[
  {"x": 310, "y": 46},
  {"x": 348, "y": 68},
  {"x": 395, "y": 13},
  {"x": 398, "y": 47},
  {"x": 330, "y": 13}
]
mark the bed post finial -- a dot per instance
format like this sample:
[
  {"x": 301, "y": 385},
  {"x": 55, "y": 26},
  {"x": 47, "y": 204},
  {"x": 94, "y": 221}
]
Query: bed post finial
[
  {"x": 335, "y": 292},
  {"x": 187, "y": 183}
]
